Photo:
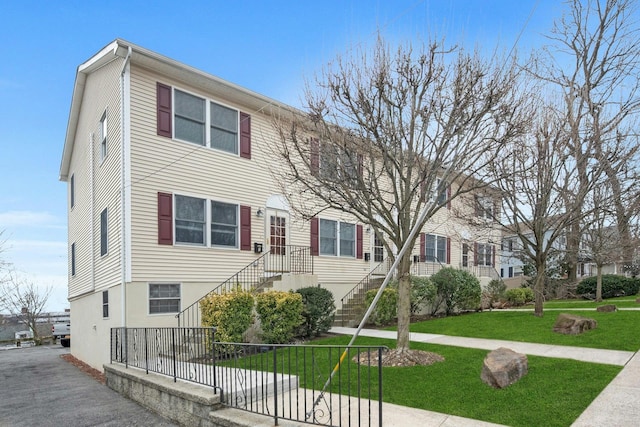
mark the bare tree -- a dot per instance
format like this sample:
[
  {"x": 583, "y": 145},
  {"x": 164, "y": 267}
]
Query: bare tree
[
  {"x": 387, "y": 134},
  {"x": 594, "y": 60},
  {"x": 601, "y": 237},
  {"x": 23, "y": 299},
  {"x": 539, "y": 177}
]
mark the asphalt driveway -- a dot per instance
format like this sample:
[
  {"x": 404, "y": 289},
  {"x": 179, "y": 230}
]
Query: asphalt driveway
[{"x": 39, "y": 388}]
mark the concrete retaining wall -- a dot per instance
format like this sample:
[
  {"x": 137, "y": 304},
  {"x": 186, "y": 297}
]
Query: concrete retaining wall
[{"x": 184, "y": 403}]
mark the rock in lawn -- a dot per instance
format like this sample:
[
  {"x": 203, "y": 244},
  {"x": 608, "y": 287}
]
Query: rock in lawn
[
  {"x": 608, "y": 308},
  {"x": 503, "y": 367},
  {"x": 570, "y": 324}
]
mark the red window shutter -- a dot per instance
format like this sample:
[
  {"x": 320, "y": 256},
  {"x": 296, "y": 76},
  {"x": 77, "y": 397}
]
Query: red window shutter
[
  {"x": 163, "y": 101},
  {"x": 245, "y": 135},
  {"x": 314, "y": 149},
  {"x": 475, "y": 253},
  {"x": 245, "y": 228},
  {"x": 315, "y": 237},
  {"x": 165, "y": 219},
  {"x": 360, "y": 165},
  {"x": 449, "y": 196},
  {"x": 359, "y": 245},
  {"x": 423, "y": 247},
  {"x": 448, "y": 250}
]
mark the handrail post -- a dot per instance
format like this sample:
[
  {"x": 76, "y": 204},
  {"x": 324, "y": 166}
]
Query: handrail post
[
  {"x": 146, "y": 351},
  {"x": 173, "y": 347}
]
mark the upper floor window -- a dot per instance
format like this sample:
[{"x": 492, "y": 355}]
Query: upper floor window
[
  {"x": 205, "y": 122},
  {"x": 338, "y": 163},
  {"x": 224, "y": 224},
  {"x": 103, "y": 232},
  {"x": 72, "y": 190},
  {"x": 435, "y": 248},
  {"x": 190, "y": 220},
  {"x": 337, "y": 238},
  {"x": 484, "y": 255},
  {"x": 73, "y": 259},
  {"x": 191, "y": 223},
  {"x": 484, "y": 207},
  {"x": 103, "y": 136}
]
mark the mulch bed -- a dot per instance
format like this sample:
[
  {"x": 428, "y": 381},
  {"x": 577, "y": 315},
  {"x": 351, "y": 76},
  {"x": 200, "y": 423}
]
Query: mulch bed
[
  {"x": 396, "y": 358},
  {"x": 92, "y": 372}
]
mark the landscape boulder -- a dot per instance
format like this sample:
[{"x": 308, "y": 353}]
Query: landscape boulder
[
  {"x": 571, "y": 324},
  {"x": 608, "y": 308},
  {"x": 503, "y": 367}
]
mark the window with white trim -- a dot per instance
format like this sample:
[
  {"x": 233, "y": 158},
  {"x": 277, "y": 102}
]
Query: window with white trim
[
  {"x": 337, "y": 238},
  {"x": 104, "y": 232},
  {"x": 73, "y": 259},
  {"x": 435, "y": 248},
  {"x": 72, "y": 190},
  {"x": 103, "y": 136},
  {"x": 204, "y": 122},
  {"x": 338, "y": 164},
  {"x": 190, "y": 220},
  {"x": 105, "y": 304},
  {"x": 197, "y": 218},
  {"x": 164, "y": 298},
  {"x": 465, "y": 254},
  {"x": 484, "y": 207},
  {"x": 224, "y": 224},
  {"x": 485, "y": 254}
]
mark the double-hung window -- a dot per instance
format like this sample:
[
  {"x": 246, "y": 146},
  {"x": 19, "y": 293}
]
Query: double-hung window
[
  {"x": 484, "y": 207},
  {"x": 485, "y": 254},
  {"x": 197, "y": 218},
  {"x": 72, "y": 190},
  {"x": 337, "y": 238},
  {"x": 224, "y": 224},
  {"x": 205, "y": 122},
  {"x": 435, "y": 248},
  {"x": 190, "y": 220},
  {"x": 103, "y": 136},
  {"x": 164, "y": 298},
  {"x": 104, "y": 232},
  {"x": 189, "y": 119},
  {"x": 73, "y": 259}
]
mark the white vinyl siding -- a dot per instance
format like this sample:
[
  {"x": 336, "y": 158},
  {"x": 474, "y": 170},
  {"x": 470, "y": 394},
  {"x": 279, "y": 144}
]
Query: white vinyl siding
[{"x": 97, "y": 183}]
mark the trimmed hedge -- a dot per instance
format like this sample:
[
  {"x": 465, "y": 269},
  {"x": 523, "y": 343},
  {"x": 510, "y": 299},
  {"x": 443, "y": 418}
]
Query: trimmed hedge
[
  {"x": 612, "y": 286},
  {"x": 519, "y": 296},
  {"x": 280, "y": 315},
  {"x": 386, "y": 310},
  {"x": 231, "y": 313},
  {"x": 456, "y": 290},
  {"x": 318, "y": 312}
]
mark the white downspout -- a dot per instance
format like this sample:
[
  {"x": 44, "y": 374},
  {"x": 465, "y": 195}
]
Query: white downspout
[{"x": 124, "y": 120}]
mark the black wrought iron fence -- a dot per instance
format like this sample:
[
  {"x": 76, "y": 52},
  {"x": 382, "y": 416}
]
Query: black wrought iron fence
[{"x": 292, "y": 382}]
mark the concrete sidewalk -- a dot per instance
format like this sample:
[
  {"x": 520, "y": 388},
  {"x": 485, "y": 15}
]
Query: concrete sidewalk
[
  {"x": 617, "y": 405},
  {"x": 593, "y": 355}
]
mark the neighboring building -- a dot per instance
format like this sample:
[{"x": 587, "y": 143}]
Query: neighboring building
[{"x": 169, "y": 194}]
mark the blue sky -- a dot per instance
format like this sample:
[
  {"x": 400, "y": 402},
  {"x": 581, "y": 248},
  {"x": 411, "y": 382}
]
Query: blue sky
[{"x": 270, "y": 47}]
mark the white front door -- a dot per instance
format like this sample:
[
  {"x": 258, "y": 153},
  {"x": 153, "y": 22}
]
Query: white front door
[{"x": 277, "y": 232}]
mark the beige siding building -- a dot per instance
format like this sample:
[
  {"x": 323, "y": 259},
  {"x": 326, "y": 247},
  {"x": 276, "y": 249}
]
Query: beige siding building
[{"x": 169, "y": 195}]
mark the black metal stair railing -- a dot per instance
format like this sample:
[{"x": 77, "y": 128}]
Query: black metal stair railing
[
  {"x": 352, "y": 304},
  {"x": 256, "y": 276}
]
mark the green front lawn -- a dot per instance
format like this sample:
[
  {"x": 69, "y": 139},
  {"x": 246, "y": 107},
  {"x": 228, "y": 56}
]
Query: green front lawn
[
  {"x": 554, "y": 393},
  {"x": 615, "y": 331}
]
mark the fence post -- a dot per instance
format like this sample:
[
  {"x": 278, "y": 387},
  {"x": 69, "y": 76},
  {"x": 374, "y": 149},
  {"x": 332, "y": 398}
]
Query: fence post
[
  {"x": 213, "y": 360},
  {"x": 146, "y": 351},
  {"x": 275, "y": 386},
  {"x": 126, "y": 347},
  {"x": 173, "y": 352},
  {"x": 380, "y": 386}
]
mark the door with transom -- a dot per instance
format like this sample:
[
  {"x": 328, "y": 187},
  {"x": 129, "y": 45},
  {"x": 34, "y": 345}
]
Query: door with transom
[{"x": 277, "y": 232}]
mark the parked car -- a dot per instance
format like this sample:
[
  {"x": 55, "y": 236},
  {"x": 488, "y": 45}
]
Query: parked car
[{"x": 62, "y": 331}]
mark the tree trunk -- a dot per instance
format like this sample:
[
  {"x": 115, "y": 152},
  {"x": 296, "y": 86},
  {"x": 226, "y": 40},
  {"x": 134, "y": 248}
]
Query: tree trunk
[
  {"x": 404, "y": 302},
  {"x": 538, "y": 290},
  {"x": 599, "y": 283}
]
